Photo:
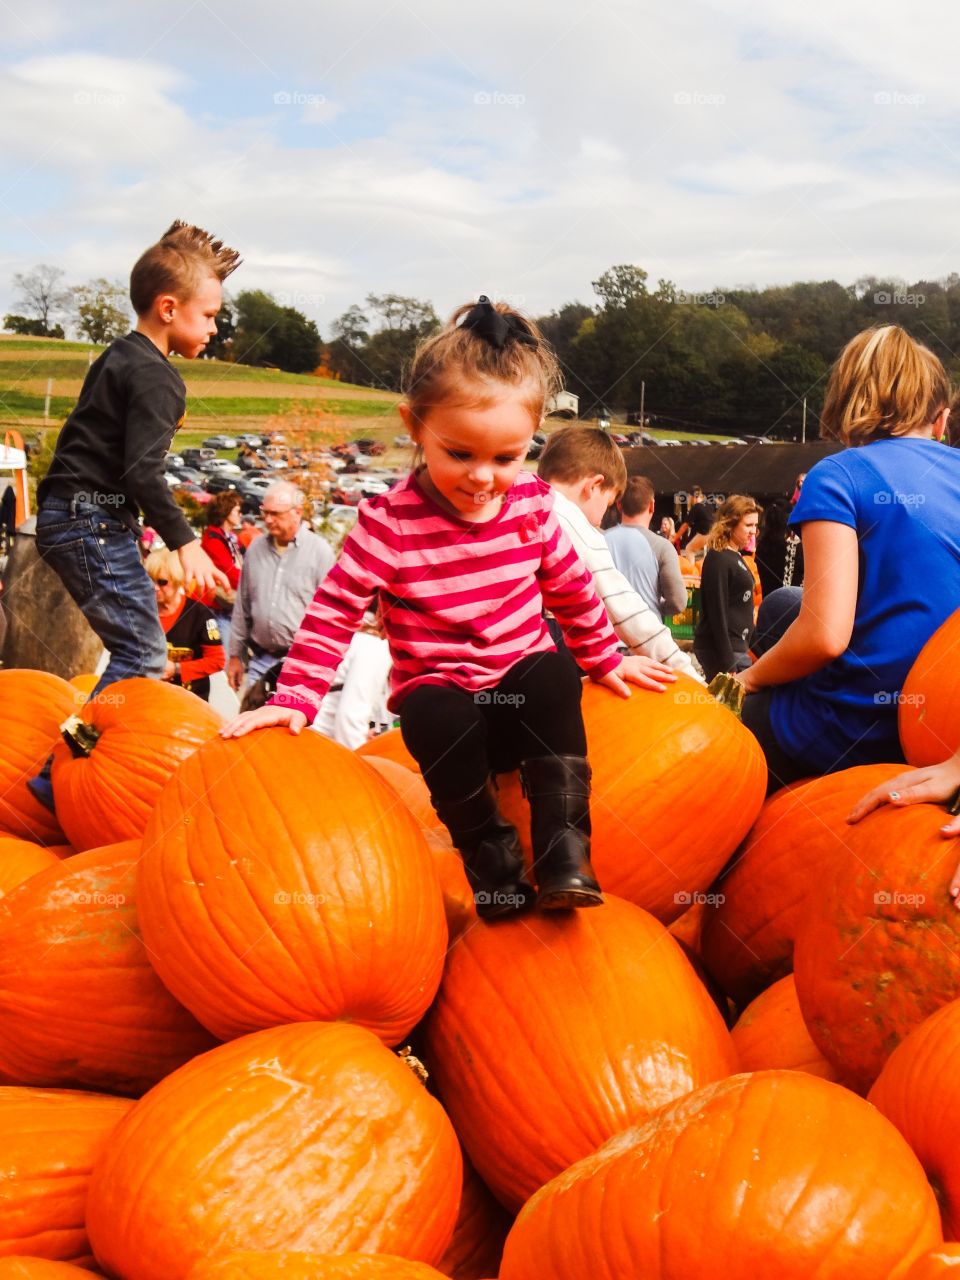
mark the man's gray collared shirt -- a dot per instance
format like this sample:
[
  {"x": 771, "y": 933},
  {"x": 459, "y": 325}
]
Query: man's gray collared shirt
[{"x": 275, "y": 589}]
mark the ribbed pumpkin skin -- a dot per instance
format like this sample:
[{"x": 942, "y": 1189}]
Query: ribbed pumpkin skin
[
  {"x": 552, "y": 1032},
  {"x": 147, "y": 728},
  {"x": 928, "y": 713},
  {"x": 641, "y": 751},
  {"x": 879, "y": 947},
  {"x": 282, "y": 880},
  {"x": 918, "y": 1090},
  {"x": 41, "y": 1269},
  {"x": 312, "y": 1266},
  {"x": 389, "y": 746},
  {"x": 482, "y": 1225},
  {"x": 771, "y": 1033},
  {"x": 773, "y": 1174},
  {"x": 49, "y": 1139},
  {"x": 21, "y": 859},
  {"x": 308, "y": 1137},
  {"x": 411, "y": 788},
  {"x": 747, "y": 940},
  {"x": 937, "y": 1265},
  {"x": 80, "y": 1004},
  {"x": 33, "y": 705}
]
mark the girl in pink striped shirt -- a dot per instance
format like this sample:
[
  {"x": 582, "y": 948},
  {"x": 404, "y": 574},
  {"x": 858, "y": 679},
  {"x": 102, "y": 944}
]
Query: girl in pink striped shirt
[{"x": 465, "y": 554}]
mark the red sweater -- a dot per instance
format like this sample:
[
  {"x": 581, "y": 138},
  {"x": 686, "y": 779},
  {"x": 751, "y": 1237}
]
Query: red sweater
[{"x": 461, "y": 601}]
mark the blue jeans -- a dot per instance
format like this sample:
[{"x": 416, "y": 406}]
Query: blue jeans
[{"x": 95, "y": 556}]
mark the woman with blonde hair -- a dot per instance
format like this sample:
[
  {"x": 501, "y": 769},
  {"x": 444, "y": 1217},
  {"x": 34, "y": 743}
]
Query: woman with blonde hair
[
  {"x": 194, "y": 646},
  {"x": 880, "y": 526},
  {"x": 722, "y": 638}
]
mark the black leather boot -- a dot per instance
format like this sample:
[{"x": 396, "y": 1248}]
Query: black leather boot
[
  {"x": 558, "y": 788},
  {"x": 490, "y": 849}
]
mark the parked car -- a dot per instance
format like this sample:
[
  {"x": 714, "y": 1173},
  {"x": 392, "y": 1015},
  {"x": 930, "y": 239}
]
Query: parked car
[
  {"x": 194, "y": 456},
  {"x": 191, "y": 474},
  {"x": 647, "y": 438},
  {"x": 173, "y": 462},
  {"x": 193, "y": 491},
  {"x": 221, "y": 442},
  {"x": 220, "y": 467},
  {"x": 373, "y": 448},
  {"x": 402, "y": 442},
  {"x": 217, "y": 483},
  {"x": 254, "y": 441}
]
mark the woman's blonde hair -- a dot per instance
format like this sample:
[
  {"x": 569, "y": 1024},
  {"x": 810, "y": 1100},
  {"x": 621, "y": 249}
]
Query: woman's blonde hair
[
  {"x": 883, "y": 384},
  {"x": 164, "y": 564},
  {"x": 729, "y": 514},
  {"x": 454, "y": 365}
]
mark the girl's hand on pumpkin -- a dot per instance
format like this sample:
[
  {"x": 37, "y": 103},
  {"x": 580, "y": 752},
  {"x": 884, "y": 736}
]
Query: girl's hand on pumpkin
[
  {"x": 648, "y": 673},
  {"x": 932, "y": 785},
  {"x": 264, "y": 718}
]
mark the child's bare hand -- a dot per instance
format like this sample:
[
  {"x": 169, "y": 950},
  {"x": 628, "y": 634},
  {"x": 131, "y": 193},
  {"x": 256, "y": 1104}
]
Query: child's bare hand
[
  {"x": 264, "y": 718},
  {"x": 648, "y": 673},
  {"x": 199, "y": 568}
]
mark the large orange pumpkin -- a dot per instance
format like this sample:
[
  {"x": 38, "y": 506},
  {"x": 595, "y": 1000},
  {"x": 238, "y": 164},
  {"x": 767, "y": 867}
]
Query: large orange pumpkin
[
  {"x": 918, "y": 1090},
  {"x": 878, "y": 949},
  {"x": 34, "y": 705},
  {"x": 21, "y": 859},
  {"x": 127, "y": 742},
  {"x": 80, "y": 1003},
  {"x": 411, "y": 788},
  {"x": 310, "y": 1137},
  {"x": 939, "y": 1264},
  {"x": 49, "y": 1139},
  {"x": 282, "y": 880},
  {"x": 929, "y": 709},
  {"x": 749, "y": 928},
  {"x": 311, "y": 1266},
  {"x": 771, "y": 1033},
  {"x": 554, "y": 1031},
  {"x": 772, "y": 1174},
  {"x": 40, "y": 1269},
  {"x": 482, "y": 1225}
]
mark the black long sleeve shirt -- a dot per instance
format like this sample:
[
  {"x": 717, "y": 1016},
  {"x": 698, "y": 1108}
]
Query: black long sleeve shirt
[
  {"x": 726, "y": 619},
  {"x": 112, "y": 446}
]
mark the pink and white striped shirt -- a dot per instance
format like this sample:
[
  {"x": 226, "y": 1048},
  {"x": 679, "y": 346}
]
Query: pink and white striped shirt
[{"x": 462, "y": 601}]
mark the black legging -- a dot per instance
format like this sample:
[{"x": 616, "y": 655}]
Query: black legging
[{"x": 459, "y": 738}]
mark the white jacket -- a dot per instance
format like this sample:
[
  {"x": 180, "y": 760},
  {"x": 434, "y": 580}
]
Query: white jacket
[{"x": 638, "y": 627}]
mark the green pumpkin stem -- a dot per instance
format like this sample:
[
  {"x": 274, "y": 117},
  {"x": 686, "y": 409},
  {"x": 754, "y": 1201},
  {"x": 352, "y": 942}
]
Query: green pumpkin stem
[{"x": 79, "y": 736}]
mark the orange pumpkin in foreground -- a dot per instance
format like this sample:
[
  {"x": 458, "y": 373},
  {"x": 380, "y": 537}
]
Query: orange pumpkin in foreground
[
  {"x": 482, "y": 1225},
  {"x": 125, "y": 744},
  {"x": 282, "y": 881},
  {"x": 552, "y": 1032},
  {"x": 35, "y": 704},
  {"x": 49, "y": 1140},
  {"x": 21, "y": 859},
  {"x": 80, "y": 1004},
  {"x": 879, "y": 947},
  {"x": 918, "y": 1090},
  {"x": 41, "y": 1269},
  {"x": 928, "y": 712},
  {"x": 775, "y": 1173},
  {"x": 309, "y": 1137},
  {"x": 771, "y": 1033},
  {"x": 747, "y": 937},
  {"x": 312, "y": 1266},
  {"x": 939, "y": 1264}
]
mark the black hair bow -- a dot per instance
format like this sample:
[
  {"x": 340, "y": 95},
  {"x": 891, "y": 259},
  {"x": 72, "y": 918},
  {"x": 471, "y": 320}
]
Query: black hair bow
[{"x": 495, "y": 327}]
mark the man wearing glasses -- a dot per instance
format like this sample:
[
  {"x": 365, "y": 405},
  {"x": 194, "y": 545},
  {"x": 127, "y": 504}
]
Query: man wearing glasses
[{"x": 280, "y": 576}]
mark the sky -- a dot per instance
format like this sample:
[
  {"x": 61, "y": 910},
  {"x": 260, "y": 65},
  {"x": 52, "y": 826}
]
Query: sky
[{"x": 513, "y": 148}]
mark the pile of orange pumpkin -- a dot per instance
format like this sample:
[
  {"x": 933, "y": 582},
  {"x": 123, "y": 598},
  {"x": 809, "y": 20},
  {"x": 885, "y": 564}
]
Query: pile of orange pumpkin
[{"x": 251, "y": 1027}]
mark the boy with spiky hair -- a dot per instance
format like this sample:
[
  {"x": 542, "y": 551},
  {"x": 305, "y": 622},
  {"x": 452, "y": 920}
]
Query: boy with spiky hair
[{"x": 109, "y": 460}]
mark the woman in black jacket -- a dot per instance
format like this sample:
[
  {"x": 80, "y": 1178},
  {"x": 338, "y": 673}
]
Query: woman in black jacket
[
  {"x": 779, "y": 551},
  {"x": 722, "y": 639}
]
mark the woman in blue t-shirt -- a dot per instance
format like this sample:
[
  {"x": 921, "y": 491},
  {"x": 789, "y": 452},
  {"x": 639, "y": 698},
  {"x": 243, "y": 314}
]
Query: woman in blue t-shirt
[{"x": 880, "y": 524}]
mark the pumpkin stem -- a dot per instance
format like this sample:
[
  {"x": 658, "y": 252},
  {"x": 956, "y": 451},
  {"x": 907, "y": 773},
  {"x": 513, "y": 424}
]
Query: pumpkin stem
[
  {"x": 728, "y": 692},
  {"x": 79, "y": 736},
  {"x": 407, "y": 1055}
]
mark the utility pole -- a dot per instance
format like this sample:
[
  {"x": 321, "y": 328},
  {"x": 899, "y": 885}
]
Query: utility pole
[
  {"x": 643, "y": 392},
  {"x": 803, "y": 430}
]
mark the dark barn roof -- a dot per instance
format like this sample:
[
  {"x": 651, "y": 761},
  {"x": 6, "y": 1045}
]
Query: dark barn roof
[{"x": 761, "y": 470}]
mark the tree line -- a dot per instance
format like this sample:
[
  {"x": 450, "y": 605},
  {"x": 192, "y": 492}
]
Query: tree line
[{"x": 740, "y": 361}]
